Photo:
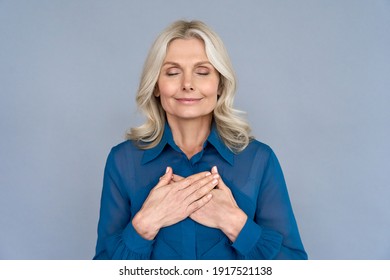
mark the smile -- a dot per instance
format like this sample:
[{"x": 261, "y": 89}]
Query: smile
[{"x": 188, "y": 100}]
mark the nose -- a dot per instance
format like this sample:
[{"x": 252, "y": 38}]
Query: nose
[
  {"x": 188, "y": 88},
  {"x": 187, "y": 83}
]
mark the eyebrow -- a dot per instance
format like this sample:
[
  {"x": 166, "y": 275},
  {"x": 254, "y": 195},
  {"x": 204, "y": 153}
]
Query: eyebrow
[{"x": 177, "y": 64}]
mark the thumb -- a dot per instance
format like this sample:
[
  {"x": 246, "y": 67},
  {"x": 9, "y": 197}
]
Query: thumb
[
  {"x": 166, "y": 178},
  {"x": 221, "y": 184}
]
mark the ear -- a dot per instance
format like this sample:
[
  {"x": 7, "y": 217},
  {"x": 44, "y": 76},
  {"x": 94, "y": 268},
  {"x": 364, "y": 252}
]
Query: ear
[
  {"x": 156, "y": 91},
  {"x": 219, "y": 93},
  {"x": 220, "y": 86}
]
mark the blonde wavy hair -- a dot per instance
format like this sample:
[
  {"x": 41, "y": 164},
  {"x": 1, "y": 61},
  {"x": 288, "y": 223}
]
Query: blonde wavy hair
[{"x": 232, "y": 128}]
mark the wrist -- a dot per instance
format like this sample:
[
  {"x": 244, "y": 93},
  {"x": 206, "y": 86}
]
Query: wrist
[
  {"x": 234, "y": 224},
  {"x": 144, "y": 228}
]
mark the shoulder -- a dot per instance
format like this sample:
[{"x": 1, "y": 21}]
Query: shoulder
[
  {"x": 256, "y": 152},
  {"x": 125, "y": 146},
  {"x": 257, "y": 147},
  {"x": 124, "y": 151}
]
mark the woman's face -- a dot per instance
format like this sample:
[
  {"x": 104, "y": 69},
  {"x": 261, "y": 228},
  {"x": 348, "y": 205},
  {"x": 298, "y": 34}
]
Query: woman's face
[{"x": 188, "y": 82}]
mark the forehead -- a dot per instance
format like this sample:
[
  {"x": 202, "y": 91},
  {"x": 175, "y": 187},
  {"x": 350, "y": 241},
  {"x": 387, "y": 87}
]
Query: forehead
[{"x": 186, "y": 49}]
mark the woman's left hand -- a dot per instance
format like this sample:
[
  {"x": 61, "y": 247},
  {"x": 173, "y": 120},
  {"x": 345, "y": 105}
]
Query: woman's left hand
[{"x": 221, "y": 211}]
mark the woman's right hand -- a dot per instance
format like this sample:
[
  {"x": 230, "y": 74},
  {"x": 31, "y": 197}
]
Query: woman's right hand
[{"x": 170, "y": 202}]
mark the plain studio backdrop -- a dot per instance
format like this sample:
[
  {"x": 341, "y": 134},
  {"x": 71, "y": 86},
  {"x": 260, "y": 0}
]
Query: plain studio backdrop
[{"x": 313, "y": 77}]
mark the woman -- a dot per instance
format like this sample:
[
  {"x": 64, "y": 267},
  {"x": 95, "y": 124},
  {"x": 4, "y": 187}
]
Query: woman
[{"x": 191, "y": 183}]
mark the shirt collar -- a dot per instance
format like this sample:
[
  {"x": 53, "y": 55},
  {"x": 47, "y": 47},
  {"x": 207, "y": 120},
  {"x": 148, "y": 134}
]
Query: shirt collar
[
  {"x": 167, "y": 138},
  {"x": 219, "y": 145}
]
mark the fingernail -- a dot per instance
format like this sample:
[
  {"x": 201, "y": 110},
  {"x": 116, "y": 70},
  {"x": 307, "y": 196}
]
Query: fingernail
[
  {"x": 166, "y": 171},
  {"x": 208, "y": 174},
  {"x": 215, "y": 181},
  {"x": 215, "y": 176},
  {"x": 215, "y": 169}
]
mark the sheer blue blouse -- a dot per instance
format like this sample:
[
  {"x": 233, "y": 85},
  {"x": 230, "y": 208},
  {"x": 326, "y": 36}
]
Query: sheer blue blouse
[{"x": 253, "y": 175}]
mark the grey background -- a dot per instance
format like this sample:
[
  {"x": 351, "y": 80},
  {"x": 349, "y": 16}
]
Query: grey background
[{"x": 313, "y": 78}]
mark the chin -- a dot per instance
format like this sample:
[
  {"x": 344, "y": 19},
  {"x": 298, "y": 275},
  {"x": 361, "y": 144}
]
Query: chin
[{"x": 192, "y": 116}]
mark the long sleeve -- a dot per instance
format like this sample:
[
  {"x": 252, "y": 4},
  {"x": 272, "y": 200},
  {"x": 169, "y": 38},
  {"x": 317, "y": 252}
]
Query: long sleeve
[
  {"x": 273, "y": 233},
  {"x": 254, "y": 176},
  {"x": 117, "y": 238}
]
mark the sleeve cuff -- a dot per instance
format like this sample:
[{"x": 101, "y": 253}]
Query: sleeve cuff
[
  {"x": 254, "y": 241},
  {"x": 248, "y": 237}
]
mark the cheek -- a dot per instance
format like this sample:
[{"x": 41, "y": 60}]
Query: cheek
[
  {"x": 211, "y": 89},
  {"x": 167, "y": 89},
  {"x": 165, "y": 94},
  {"x": 164, "y": 102}
]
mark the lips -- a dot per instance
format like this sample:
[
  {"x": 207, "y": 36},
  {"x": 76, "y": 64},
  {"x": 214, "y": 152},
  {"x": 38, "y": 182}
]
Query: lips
[{"x": 188, "y": 100}]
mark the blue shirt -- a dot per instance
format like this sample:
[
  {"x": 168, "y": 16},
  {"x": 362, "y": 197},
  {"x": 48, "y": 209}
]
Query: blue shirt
[{"x": 253, "y": 175}]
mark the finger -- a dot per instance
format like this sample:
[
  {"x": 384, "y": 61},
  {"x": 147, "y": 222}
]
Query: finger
[
  {"x": 183, "y": 184},
  {"x": 221, "y": 183},
  {"x": 164, "y": 180},
  {"x": 197, "y": 204},
  {"x": 177, "y": 178},
  {"x": 195, "y": 185},
  {"x": 200, "y": 188}
]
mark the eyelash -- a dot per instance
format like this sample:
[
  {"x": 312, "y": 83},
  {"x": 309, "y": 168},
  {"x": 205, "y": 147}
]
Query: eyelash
[{"x": 175, "y": 74}]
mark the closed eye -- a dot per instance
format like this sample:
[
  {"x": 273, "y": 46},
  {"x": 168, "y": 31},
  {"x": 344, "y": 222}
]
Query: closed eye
[
  {"x": 203, "y": 71},
  {"x": 172, "y": 71}
]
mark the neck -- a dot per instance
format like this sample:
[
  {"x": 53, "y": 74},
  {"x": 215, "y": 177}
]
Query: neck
[{"x": 189, "y": 135}]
